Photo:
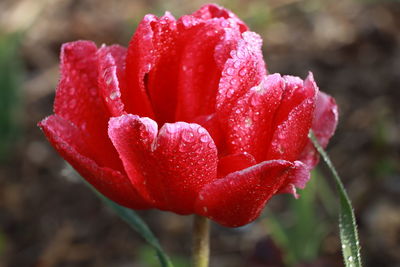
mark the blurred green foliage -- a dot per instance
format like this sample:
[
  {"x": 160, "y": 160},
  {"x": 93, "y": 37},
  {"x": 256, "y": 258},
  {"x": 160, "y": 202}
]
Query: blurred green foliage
[
  {"x": 10, "y": 82},
  {"x": 147, "y": 256},
  {"x": 300, "y": 234}
]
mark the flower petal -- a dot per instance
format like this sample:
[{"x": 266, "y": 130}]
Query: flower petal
[
  {"x": 234, "y": 162},
  {"x": 78, "y": 100},
  {"x": 297, "y": 178},
  {"x": 112, "y": 77},
  {"x": 169, "y": 169},
  {"x": 324, "y": 125},
  {"x": 238, "y": 198},
  {"x": 212, "y": 11},
  {"x": 151, "y": 68},
  {"x": 199, "y": 42},
  {"x": 242, "y": 71},
  {"x": 70, "y": 142},
  {"x": 292, "y": 125},
  {"x": 250, "y": 121}
]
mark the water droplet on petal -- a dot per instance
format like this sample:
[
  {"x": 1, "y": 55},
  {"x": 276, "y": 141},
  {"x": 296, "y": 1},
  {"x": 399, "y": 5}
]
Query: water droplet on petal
[
  {"x": 188, "y": 136},
  {"x": 230, "y": 93},
  {"x": 114, "y": 95},
  {"x": 230, "y": 71},
  {"x": 242, "y": 71},
  {"x": 204, "y": 138}
]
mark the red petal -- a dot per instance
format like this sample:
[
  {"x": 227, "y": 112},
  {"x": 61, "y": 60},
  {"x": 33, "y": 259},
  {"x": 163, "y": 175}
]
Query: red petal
[
  {"x": 291, "y": 132},
  {"x": 233, "y": 163},
  {"x": 112, "y": 77},
  {"x": 297, "y": 178},
  {"x": 212, "y": 11},
  {"x": 173, "y": 166},
  {"x": 70, "y": 142},
  {"x": 324, "y": 125},
  {"x": 244, "y": 70},
  {"x": 239, "y": 198},
  {"x": 250, "y": 120},
  {"x": 203, "y": 46},
  {"x": 148, "y": 82},
  {"x": 78, "y": 100}
]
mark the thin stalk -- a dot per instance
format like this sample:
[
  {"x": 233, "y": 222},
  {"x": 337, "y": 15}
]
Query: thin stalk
[{"x": 201, "y": 241}]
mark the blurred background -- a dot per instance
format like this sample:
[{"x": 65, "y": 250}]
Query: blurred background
[{"x": 48, "y": 217}]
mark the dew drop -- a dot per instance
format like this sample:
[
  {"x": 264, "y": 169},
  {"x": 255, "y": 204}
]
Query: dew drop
[
  {"x": 224, "y": 24},
  {"x": 170, "y": 129},
  {"x": 233, "y": 81},
  {"x": 188, "y": 136},
  {"x": 201, "y": 130},
  {"x": 240, "y": 54},
  {"x": 248, "y": 122},
  {"x": 230, "y": 93},
  {"x": 109, "y": 79},
  {"x": 114, "y": 95},
  {"x": 204, "y": 138},
  {"x": 242, "y": 71},
  {"x": 230, "y": 71}
]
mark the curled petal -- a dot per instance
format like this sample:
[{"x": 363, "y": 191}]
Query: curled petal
[
  {"x": 169, "y": 169},
  {"x": 324, "y": 124},
  {"x": 70, "y": 142},
  {"x": 78, "y": 100},
  {"x": 211, "y": 11},
  {"x": 297, "y": 178},
  {"x": 112, "y": 77},
  {"x": 154, "y": 38},
  {"x": 292, "y": 125},
  {"x": 239, "y": 197}
]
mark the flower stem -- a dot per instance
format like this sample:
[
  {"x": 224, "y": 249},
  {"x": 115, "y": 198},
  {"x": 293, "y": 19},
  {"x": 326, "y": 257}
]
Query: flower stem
[{"x": 201, "y": 240}]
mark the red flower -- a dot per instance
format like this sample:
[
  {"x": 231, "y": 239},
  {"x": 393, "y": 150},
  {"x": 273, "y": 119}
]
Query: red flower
[{"x": 186, "y": 119}]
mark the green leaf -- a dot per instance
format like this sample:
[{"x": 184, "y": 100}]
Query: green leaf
[
  {"x": 347, "y": 221},
  {"x": 134, "y": 220}
]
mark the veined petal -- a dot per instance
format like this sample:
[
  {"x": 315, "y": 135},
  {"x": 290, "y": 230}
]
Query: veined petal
[
  {"x": 168, "y": 169},
  {"x": 71, "y": 143}
]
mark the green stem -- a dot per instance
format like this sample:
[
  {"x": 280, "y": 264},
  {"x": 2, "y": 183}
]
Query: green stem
[{"x": 201, "y": 241}]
